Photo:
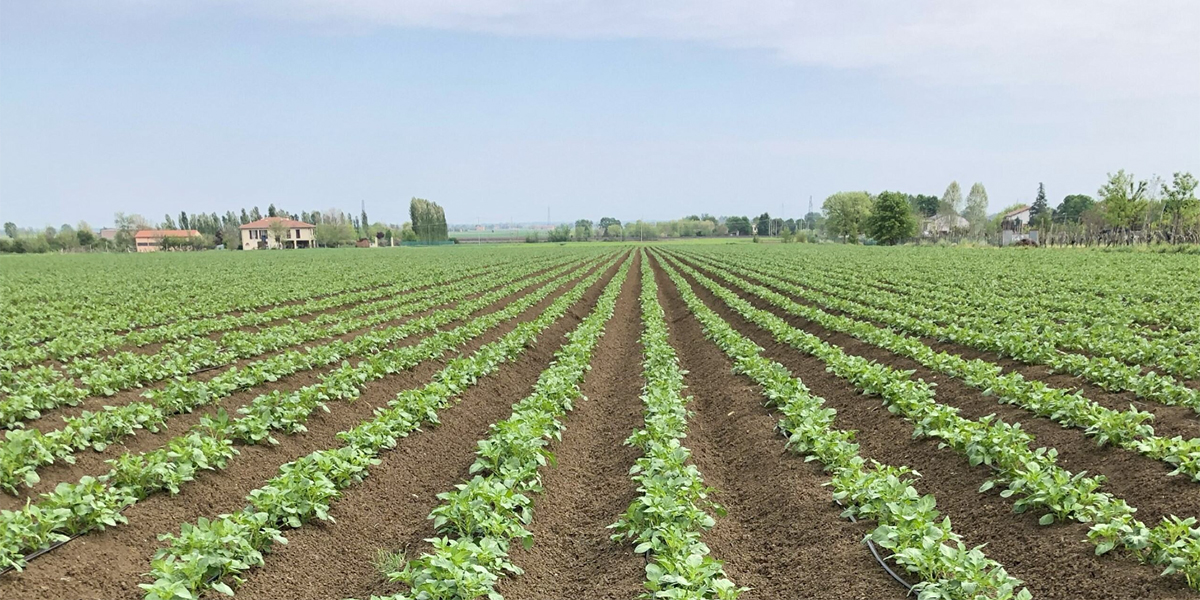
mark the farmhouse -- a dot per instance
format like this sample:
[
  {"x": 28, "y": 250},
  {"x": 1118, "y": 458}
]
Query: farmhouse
[
  {"x": 943, "y": 224},
  {"x": 1013, "y": 220},
  {"x": 151, "y": 240},
  {"x": 261, "y": 234}
]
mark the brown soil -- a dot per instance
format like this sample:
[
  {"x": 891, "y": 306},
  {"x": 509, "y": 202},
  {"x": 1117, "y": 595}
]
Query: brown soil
[
  {"x": 782, "y": 536},
  {"x": 1169, "y": 421},
  {"x": 1055, "y": 561},
  {"x": 52, "y": 418},
  {"x": 389, "y": 510},
  {"x": 109, "y": 564},
  {"x": 1141, "y": 481},
  {"x": 93, "y": 463},
  {"x": 589, "y": 487}
]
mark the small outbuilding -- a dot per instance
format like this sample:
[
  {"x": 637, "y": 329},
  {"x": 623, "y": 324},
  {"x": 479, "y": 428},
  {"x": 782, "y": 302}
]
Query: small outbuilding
[
  {"x": 262, "y": 234},
  {"x": 151, "y": 240}
]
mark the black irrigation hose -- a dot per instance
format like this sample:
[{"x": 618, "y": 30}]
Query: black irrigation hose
[
  {"x": 875, "y": 553},
  {"x": 50, "y": 548},
  {"x": 870, "y": 544}
]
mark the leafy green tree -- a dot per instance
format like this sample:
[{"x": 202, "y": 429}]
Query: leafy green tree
[
  {"x": 1072, "y": 208},
  {"x": 606, "y": 224},
  {"x": 168, "y": 222},
  {"x": 924, "y": 205},
  {"x": 976, "y": 211},
  {"x": 891, "y": 220},
  {"x": 1180, "y": 205},
  {"x": 428, "y": 220},
  {"x": 254, "y": 214},
  {"x": 738, "y": 225},
  {"x": 231, "y": 235},
  {"x": 271, "y": 210},
  {"x": 810, "y": 220},
  {"x": 183, "y": 220},
  {"x": 562, "y": 233},
  {"x": 846, "y": 214},
  {"x": 1124, "y": 199},
  {"x": 10, "y": 229},
  {"x": 951, "y": 203},
  {"x": 278, "y": 230},
  {"x": 762, "y": 225},
  {"x": 583, "y": 230}
]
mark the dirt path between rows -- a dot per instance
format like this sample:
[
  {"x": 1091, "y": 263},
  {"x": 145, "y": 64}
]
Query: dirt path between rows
[
  {"x": 589, "y": 487},
  {"x": 108, "y": 565},
  {"x": 783, "y": 536},
  {"x": 389, "y": 510},
  {"x": 1142, "y": 481},
  {"x": 1056, "y": 561},
  {"x": 89, "y": 462}
]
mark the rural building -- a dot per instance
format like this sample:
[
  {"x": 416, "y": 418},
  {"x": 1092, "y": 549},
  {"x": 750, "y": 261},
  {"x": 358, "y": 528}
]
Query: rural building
[
  {"x": 151, "y": 240},
  {"x": 1015, "y": 219},
  {"x": 298, "y": 234},
  {"x": 943, "y": 224}
]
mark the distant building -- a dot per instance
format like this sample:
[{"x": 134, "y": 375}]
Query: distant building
[
  {"x": 151, "y": 240},
  {"x": 257, "y": 235},
  {"x": 943, "y": 224},
  {"x": 108, "y": 233},
  {"x": 1015, "y": 219}
]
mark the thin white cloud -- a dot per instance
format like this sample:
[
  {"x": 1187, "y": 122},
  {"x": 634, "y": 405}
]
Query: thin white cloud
[{"x": 1128, "y": 49}]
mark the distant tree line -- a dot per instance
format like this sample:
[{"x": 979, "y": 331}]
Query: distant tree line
[{"x": 334, "y": 228}]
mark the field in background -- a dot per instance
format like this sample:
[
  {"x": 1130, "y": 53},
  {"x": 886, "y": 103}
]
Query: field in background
[{"x": 996, "y": 423}]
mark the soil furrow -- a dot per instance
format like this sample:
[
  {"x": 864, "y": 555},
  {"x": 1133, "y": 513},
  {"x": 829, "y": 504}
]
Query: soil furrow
[
  {"x": 109, "y": 564},
  {"x": 89, "y": 462},
  {"x": 1039, "y": 555},
  {"x": 783, "y": 536},
  {"x": 388, "y": 510},
  {"x": 1142, "y": 481},
  {"x": 589, "y": 486}
]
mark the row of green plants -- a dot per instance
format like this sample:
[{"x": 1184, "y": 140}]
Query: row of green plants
[
  {"x": 90, "y": 295},
  {"x": 1152, "y": 295},
  {"x": 1129, "y": 429},
  {"x": 24, "y": 451},
  {"x": 477, "y": 522},
  {"x": 908, "y": 524},
  {"x": 1099, "y": 339},
  {"x": 1026, "y": 346},
  {"x": 211, "y": 554},
  {"x": 211, "y": 444},
  {"x": 124, "y": 370},
  {"x": 1031, "y": 476},
  {"x": 47, "y": 389},
  {"x": 1151, "y": 299},
  {"x": 67, "y": 347},
  {"x": 674, "y": 509}
]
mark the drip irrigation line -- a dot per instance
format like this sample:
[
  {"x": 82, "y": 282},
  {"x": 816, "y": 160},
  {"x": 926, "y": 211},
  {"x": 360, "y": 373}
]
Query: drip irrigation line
[
  {"x": 56, "y": 545},
  {"x": 875, "y": 553}
]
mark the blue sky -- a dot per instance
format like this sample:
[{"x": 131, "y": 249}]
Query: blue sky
[{"x": 500, "y": 110}]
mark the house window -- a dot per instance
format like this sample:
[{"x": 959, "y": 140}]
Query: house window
[
  {"x": 289, "y": 234},
  {"x": 297, "y": 234}
]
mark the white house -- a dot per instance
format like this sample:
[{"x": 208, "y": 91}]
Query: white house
[
  {"x": 943, "y": 224},
  {"x": 296, "y": 234},
  {"x": 1015, "y": 219}
]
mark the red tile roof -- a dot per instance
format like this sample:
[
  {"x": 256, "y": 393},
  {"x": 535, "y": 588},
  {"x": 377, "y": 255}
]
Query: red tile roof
[
  {"x": 266, "y": 222},
  {"x": 162, "y": 233}
]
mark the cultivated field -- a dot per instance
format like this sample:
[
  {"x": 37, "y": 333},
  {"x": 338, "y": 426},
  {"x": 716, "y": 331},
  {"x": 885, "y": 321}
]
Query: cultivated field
[{"x": 690, "y": 421}]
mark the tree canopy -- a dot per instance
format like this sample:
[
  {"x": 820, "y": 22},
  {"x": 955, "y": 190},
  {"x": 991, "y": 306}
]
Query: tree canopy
[{"x": 891, "y": 220}]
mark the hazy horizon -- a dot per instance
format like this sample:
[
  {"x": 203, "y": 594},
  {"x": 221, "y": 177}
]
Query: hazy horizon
[{"x": 501, "y": 110}]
